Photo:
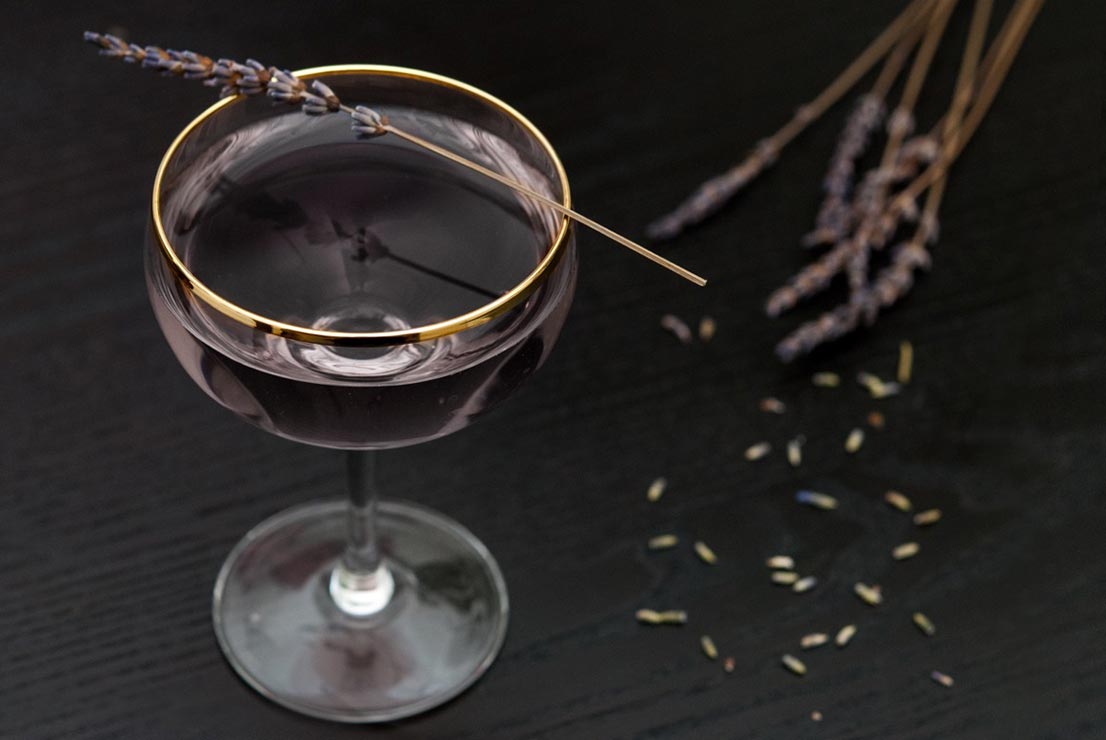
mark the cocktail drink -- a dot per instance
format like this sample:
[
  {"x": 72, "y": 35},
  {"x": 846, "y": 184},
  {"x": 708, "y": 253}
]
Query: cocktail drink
[{"x": 360, "y": 295}]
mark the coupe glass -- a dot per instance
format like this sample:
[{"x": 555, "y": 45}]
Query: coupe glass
[{"x": 359, "y": 295}]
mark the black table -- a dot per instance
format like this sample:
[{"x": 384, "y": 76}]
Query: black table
[{"x": 123, "y": 487}]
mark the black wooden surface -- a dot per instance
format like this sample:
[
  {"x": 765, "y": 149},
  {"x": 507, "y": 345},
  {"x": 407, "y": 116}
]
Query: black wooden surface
[{"x": 122, "y": 487}]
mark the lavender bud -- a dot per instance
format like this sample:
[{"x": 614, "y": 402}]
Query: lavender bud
[
  {"x": 914, "y": 255},
  {"x": 196, "y": 66},
  {"x": 153, "y": 57},
  {"x": 173, "y": 65},
  {"x": 367, "y": 122},
  {"x": 135, "y": 53},
  {"x": 909, "y": 208},
  {"x": 224, "y": 71},
  {"x": 196, "y": 72},
  {"x": 313, "y": 105},
  {"x": 285, "y": 88},
  {"x": 901, "y": 123},
  {"x": 930, "y": 227},
  {"x": 332, "y": 102},
  {"x": 247, "y": 87},
  {"x": 252, "y": 80},
  {"x": 294, "y": 84}
]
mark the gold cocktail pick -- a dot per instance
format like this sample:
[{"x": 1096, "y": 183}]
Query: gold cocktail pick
[{"x": 253, "y": 78}]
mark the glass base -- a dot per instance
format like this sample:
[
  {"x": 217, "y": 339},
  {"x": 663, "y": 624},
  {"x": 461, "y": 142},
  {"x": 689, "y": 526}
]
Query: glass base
[{"x": 282, "y": 632}]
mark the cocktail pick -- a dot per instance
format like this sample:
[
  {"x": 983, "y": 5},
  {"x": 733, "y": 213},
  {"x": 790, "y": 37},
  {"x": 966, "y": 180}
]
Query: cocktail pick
[{"x": 253, "y": 78}]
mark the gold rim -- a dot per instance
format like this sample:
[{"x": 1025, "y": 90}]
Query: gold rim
[{"x": 478, "y": 316}]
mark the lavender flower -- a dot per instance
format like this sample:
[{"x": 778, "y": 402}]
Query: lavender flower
[
  {"x": 325, "y": 102},
  {"x": 896, "y": 280},
  {"x": 900, "y": 124},
  {"x": 929, "y": 229},
  {"x": 286, "y": 87},
  {"x": 830, "y": 325},
  {"x": 111, "y": 46},
  {"x": 253, "y": 77},
  {"x": 834, "y": 217},
  {"x": 196, "y": 66},
  {"x": 714, "y": 193},
  {"x": 367, "y": 122},
  {"x": 810, "y": 280},
  {"x": 914, "y": 155}
]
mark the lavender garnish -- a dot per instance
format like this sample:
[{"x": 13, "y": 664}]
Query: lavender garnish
[
  {"x": 234, "y": 78},
  {"x": 253, "y": 77}
]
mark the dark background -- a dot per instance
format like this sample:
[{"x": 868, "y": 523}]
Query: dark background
[{"x": 122, "y": 487}]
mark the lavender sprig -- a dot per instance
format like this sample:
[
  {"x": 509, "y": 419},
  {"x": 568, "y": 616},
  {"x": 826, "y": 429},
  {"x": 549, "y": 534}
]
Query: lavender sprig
[
  {"x": 234, "y": 78},
  {"x": 810, "y": 280},
  {"x": 830, "y": 325},
  {"x": 834, "y": 217},
  {"x": 714, "y": 193}
]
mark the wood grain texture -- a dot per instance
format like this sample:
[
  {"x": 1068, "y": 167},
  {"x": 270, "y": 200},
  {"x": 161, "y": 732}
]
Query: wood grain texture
[{"x": 122, "y": 487}]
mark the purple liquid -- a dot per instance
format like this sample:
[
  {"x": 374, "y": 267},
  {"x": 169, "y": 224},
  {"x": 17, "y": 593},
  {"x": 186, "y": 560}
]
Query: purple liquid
[{"x": 357, "y": 236}]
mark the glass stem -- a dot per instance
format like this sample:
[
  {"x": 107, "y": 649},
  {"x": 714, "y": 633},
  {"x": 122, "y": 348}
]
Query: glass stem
[
  {"x": 361, "y": 584},
  {"x": 362, "y": 554}
]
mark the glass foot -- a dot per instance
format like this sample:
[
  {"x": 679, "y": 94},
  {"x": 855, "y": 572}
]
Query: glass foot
[{"x": 282, "y": 632}]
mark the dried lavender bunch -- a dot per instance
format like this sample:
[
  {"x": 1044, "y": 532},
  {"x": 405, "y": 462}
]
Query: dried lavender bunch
[
  {"x": 888, "y": 194},
  {"x": 868, "y": 223},
  {"x": 233, "y": 78},
  {"x": 932, "y": 154}
]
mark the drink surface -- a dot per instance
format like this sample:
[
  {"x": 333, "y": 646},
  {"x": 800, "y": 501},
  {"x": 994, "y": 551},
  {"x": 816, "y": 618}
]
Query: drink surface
[{"x": 302, "y": 224}]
